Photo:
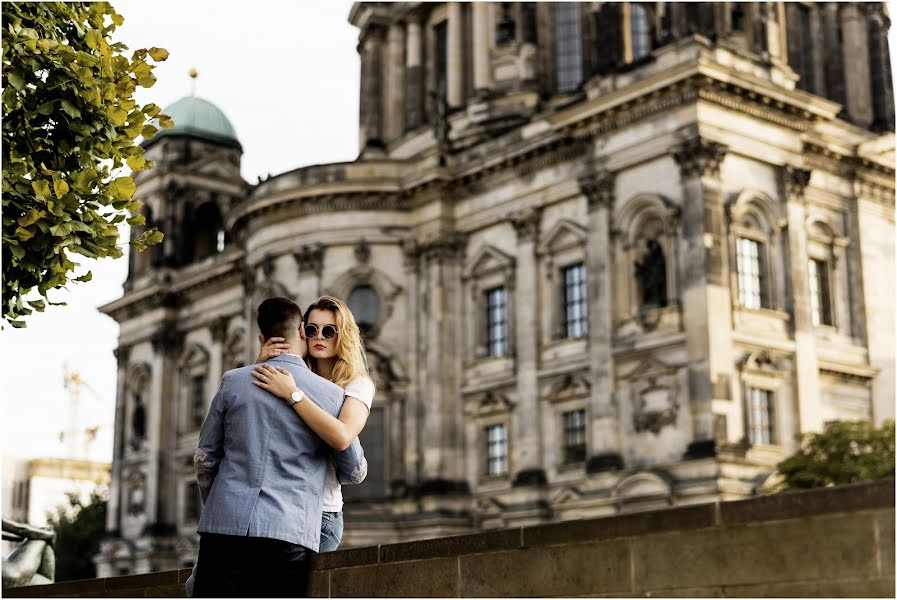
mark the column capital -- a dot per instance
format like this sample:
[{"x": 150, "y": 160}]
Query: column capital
[
  {"x": 795, "y": 181},
  {"x": 598, "y": 188},
  {"x": 218, "y": 328},
  {"x": 444, "y": 247},
  {"x": 526, "y": 223},
  {"x": 122, "y": 355},
  {"x": 698, "y": 157},
  {"x": 167, "y": 339},
  {"x": 310, "y": 258}
]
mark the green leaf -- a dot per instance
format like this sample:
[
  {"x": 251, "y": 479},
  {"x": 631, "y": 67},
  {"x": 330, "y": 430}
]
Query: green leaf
[
  {"x": 60, "y": 188},
  {"x": 16, "y": 80},
  {"x": 135, "y": 163},
  {"x": 18, "y": 324},
  {"x": 154, "y": 237},
  {"x": 116, "y": 115},
  {"x": 31, "y": 217},
  {"x": 166, "y": 122},
  {"x": 158, "y": 54},
  {"x": 138, "y": 219},
  {"x": 85, "y": 278},
  {"x": 46, "y": 108},
  {"x": 121, "y": 188},
  {"x": 70, "y": 109},
  {"x": 149, "y": 131},
  {"x": 41, "y": 188}
]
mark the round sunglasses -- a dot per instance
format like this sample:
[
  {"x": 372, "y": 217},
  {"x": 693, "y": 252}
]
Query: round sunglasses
[{"x": 328, "y": 331}]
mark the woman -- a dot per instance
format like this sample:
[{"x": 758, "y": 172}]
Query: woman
[{"x": 335, "y": 351}]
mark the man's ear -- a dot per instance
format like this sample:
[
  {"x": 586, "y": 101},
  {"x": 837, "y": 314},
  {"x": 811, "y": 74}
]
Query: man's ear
[
  {"x": 261, "y": 339},
  {"x": 302, "y": 330}
]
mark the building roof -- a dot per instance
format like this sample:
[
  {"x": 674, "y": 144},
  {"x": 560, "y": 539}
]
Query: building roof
[{"x": 199, "y": 118}]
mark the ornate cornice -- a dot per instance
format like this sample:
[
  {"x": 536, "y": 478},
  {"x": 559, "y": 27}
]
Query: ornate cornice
[
  {"x": 698, "y": 157},
  {"x": 598, "y": 188}
]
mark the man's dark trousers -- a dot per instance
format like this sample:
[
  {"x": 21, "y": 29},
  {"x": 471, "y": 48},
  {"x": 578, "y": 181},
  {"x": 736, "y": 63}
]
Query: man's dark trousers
[{"x": 231, "y": 566}]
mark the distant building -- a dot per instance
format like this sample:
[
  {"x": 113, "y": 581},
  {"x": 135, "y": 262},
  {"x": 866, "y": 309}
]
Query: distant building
[{"x": 607, "y": 257}]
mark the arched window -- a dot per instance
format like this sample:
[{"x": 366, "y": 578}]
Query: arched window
[
  {"x": 208, "y": 234},
  {"x": 757, "y": 245},
  {"x": 568, "y": 37},
  {"x": 365, "y": 306},
  {"x": 639, "y": 30}
]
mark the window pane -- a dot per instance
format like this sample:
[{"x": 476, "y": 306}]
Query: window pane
[
  {"x": 365, "y": 306},
  {"x": 574, "y": 449},
  {"x": 496, "y": 450},
  {"x": 760, "y": 417},
  {"x": 749, "y": 274},
  {"x": 641, "y": 43},
  {"x": 569, "y": 46},
  {"x": 497, "y": 321},
  {"x": 575, "y": 310}
]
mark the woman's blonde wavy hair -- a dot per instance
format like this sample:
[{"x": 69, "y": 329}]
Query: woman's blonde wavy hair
[{"x": 351, "y": 361}]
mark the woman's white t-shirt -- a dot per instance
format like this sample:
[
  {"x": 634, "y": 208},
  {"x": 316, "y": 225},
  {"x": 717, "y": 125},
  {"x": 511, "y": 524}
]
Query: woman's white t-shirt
[{"x": 363, "y": 389}]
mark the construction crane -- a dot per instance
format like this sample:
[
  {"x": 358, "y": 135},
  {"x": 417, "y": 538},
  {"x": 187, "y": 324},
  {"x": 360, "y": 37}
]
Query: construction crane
[{"x": 74, "y": 385}]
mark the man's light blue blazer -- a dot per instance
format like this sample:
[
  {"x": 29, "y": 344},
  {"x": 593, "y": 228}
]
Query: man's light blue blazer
[{"x": 260, "y": 468}]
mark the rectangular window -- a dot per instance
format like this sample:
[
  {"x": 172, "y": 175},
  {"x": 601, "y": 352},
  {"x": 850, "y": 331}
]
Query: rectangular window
[
  {"x": 441, "y": 32},
  {"x": 197, "y": 399},
  {"x": 568, "y": 34},
  {"x": 574, "y": 436},
  {"x": 496, "y": 450},
  {"x": 760, "y": 417},
  {"x": 750, "y": 275},
  {"x": 497, "y": 321},
  {"x": 820, "y": 298},
  {"x": 576, "y": 318},
  {"x": 805, "y": 69}
]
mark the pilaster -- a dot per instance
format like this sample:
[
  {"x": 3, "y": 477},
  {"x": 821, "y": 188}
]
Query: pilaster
[
  {"x": 704, "y": 287},
  {"x": 605, "y": 444}
]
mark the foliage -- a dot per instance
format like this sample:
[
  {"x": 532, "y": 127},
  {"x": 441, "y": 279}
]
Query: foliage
[
  {"x": 79, "y": 529},
  {"x": 845, "y": 452},
  {"x": 69, "y": 125}
]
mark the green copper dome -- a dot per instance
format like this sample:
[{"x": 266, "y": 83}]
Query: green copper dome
[{"x": 199, "y": 118}]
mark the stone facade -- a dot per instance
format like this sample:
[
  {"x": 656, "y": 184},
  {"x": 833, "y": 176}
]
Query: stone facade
[{"x": 608, "y": 258}]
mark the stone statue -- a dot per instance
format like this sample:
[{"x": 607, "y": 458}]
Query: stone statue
[
  {"x": 651, "y": 272},
  {"x": 33, "y": 562}
]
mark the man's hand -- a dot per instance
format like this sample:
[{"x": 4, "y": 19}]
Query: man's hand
[{"x": 273, "y": 347}]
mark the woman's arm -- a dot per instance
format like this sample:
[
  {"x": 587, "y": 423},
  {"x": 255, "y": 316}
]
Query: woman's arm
[{"x": 337, "y": 433}]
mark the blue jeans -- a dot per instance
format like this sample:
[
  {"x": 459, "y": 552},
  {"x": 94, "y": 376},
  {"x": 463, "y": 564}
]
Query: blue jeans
[
  {"x": 331, "y": 536},
  {"x": 331, "y": 531}
]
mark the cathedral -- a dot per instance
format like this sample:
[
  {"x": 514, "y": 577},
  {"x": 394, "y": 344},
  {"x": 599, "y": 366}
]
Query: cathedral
[{"x": 606, "y": 257}]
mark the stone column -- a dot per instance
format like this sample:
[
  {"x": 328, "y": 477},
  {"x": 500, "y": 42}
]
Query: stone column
[
  {"x": 526, "y": 435},
  {"x": 816, "y": 33},
  {"x": 371, "y": 105},
  {"x": 442, "y": 426},
  {"x": 455, "y": 58},
  {"x": 113, "y": 511},
  {"x": 482, "y": 63},
  {"x": 704, "y": 283},
  {"x": 855, "y": 46},
  {"x": 162, "y": 477},
  {"x": 395, "y": 86},
  {"x": 413, "y": 406},
  {"x": 795, "y": 182},
  {"x": 414, "y": 76},
  {"x": 604, "y": 442}
]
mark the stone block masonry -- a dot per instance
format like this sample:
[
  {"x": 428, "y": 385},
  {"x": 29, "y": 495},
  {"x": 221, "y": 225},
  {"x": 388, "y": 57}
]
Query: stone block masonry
[{"x": 832, "y": 542}]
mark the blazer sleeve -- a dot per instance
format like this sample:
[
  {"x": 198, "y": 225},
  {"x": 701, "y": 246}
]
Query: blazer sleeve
[
  {"x": 351, "y": 465},
  {"x": 208, "y": 455}
]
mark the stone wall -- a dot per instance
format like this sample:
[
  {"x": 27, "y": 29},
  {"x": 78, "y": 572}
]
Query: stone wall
[{"x": 831, "y": 542}]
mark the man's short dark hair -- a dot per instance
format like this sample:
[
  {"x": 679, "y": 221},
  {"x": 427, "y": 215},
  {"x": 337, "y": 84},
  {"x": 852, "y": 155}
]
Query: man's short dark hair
[{"x": 279, "y": 317}]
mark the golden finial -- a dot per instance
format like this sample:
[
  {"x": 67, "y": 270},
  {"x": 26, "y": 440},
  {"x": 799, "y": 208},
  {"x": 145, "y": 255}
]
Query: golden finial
[{"x": 193, "y": 75}]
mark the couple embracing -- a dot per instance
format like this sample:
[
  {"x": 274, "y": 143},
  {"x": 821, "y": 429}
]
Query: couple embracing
[{"x": 280, "y": 438}]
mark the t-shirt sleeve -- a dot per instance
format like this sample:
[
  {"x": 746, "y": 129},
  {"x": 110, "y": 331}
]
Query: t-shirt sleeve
[{"x": 363, "y": 389}]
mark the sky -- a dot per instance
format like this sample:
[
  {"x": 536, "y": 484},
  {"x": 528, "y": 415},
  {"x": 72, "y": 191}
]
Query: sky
[{"x": 285, "y": 73}]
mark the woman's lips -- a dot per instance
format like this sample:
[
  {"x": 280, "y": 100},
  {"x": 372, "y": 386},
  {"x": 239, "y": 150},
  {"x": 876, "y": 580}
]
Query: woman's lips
[{"x": 320, "y": 346}]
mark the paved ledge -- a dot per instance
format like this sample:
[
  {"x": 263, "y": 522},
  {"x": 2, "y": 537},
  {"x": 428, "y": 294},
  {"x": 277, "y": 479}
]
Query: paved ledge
[{"x": 831, "y": 542}]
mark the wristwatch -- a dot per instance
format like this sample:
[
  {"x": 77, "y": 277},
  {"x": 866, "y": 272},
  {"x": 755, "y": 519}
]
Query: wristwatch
[{"x": 296, "y": 397}]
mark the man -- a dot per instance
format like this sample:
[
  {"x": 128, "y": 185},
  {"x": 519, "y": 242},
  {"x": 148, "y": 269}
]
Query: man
[{"x": 261, "y": 474}]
